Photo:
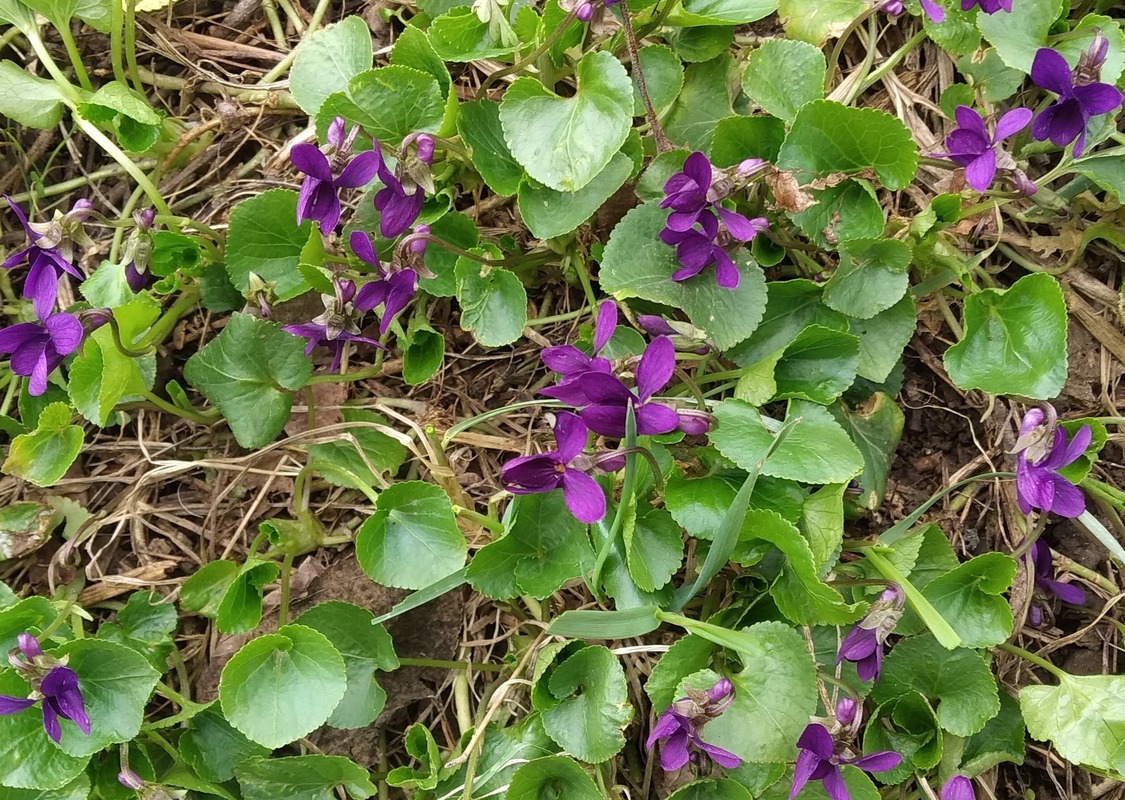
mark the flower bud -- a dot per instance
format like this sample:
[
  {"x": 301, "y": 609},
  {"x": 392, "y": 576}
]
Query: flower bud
[
  {"x": 846, "y": 709},
  {"x": 1022, "y": 183},
  {"x": 29, "y": 646},
  {"x": 958, "y": 788},
  {"x": 130, "y": 780},
  {"x": 750, "y": 167},
  {"x": 694, "y": 422},
  {"x": 425, "y": 151},
  {"x": 585, "y": 12},
  {"x": 418, "y": 246},
  {"x": 336, "y": 135},
  {"x": 1089, "y": 67},
  {"x": 655, "y": 325},
  {"x": 345, "y": 291},
  {"x": 144, "y": 218}
]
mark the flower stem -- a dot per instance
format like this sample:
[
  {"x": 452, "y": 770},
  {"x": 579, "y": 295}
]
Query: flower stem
[
  {"x": 10, "y": 395},
  {"x": 116, "y": 49},
  {"x": 283, "y": 603},
  {"x": 464, "y": 425},
  {"x": 1065, "y": 564},
  {"x": 838, "y": 49},
  {"x": 626, "y": 506},
  {"x": 75, "y": 57},
  {"x": 64, "y": 187},
  {"x": 488, "y": 523},
  {"x": 530, "y": 58},
  {"x": 163, "y": 326},
  {"x": 567, "y": 317},
  {"x": 70, "y": 94},
  {"x": 1034, "y": 659},
  {"x": 444, "y": 664},
  {"x": 191, "y": 415},
  {"x": 528, "y": 259},
  {"x": 270, "y": 7},
  {"x": 939, "y": 627},
  {"x": 118, "y": 155},
  {"x": 892, "y": 61}
]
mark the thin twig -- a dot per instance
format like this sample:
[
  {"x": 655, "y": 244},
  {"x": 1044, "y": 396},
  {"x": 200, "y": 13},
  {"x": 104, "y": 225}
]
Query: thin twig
[{"x": 662, "y": 143}]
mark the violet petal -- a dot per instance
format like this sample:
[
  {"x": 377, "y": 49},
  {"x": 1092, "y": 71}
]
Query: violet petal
[{"x": 583, "y": 496}]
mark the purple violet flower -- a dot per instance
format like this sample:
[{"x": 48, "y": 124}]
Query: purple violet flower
[
  {"x": 698, "y": 248},
  {"x": 681, "y": 725},
  {"x": 319, "y": 197},
  {"x": 551, "y": 470},
  {"x": 49, "y": 254},
  {"x": 394, "y": 290},
  {"x": 1042, "y": 451},
  {"x": 895, "y": 7},
  {"x": 37, "y": 348},
  {"x": 987, "y": 6},
  {"x": 337, "y": 325},
  {"x": 53, "y": 683},
  {"x": 686, "y": 192},
  {"x": 1065, "y": 120},
  {"x": 971, "y": 146},
  {"x": 609, "y": 398},
  {"x": 863, "y": 644},
  {"x": 571, "y": 363},
  {"x": 400, "y": 200},
  {"x": 694, "y": 195},
  {"x": 1044, "y": 579},
  {"x": 958, "y": 788},
  {"x": 820, "y": 758}
]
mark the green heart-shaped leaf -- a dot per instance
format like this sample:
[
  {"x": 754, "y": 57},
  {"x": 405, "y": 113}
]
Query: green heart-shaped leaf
[
  {"x": 1015, "y": 340},
  {"x": 565, "y": 142},
  {"x": 281, "y": 686}
]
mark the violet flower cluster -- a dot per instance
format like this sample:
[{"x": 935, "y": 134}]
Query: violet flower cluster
[
  {"x": 971, "y": 146},
  {"x": 344, "y": 310},
  {"x": 560, "y": 468},
  {"x": 319, "y": 198},
  {"x": 863, "y": 644},
  {"x": 329, "y": 169},
  {"x": 699, "y": 227},
  {"x": 680, "y": 727},
  {"x": 1041, "y": 451},
  {"x": 589, "y": 384},
  {"x": 601, "y": 402},
  {"x": 54, "y": 688},
  {"x": 820, "y": 757},
  {"x": 38, "y": 348},
  {"x": 1081, "y": 95},
  {"x": 1080, "y": 98}
]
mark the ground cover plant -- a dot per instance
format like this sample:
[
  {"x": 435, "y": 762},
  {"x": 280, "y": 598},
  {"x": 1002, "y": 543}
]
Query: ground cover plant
[{"x": 570, "y": 399}]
